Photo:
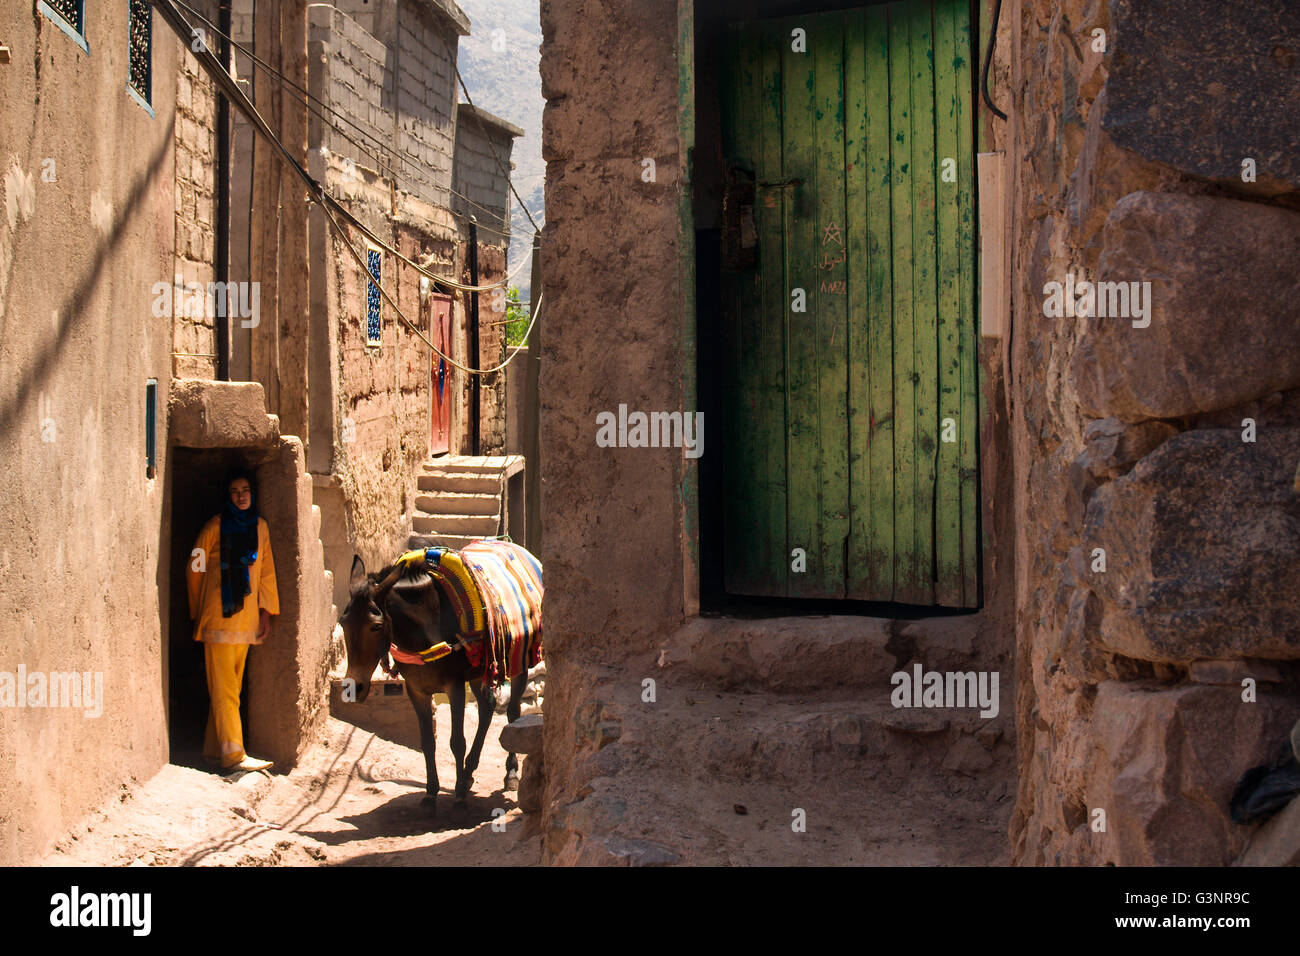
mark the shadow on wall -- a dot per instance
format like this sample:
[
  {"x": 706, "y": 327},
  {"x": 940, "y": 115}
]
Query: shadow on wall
[{"x": 74, "y": 311}]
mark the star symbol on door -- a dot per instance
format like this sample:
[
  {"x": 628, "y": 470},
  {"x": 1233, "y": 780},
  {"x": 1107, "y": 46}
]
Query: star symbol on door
[{"x": 832, "y": 232}]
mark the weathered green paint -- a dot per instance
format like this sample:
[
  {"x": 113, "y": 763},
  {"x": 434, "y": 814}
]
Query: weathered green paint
[
  {"x": 769, "y": 424},
  {"x": 835, "y": 416},
  {"x": 948, "y": 538}
]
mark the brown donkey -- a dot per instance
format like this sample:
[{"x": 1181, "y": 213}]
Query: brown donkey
[{"x": 404, "y": 607}]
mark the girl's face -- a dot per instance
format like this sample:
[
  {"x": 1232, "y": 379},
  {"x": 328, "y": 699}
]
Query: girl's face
[{"x": 241, "y": 495}]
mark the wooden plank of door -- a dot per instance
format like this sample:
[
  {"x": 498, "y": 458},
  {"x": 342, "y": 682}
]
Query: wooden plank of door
[
  {"x": 924, "y": 306},
  {"x": 826, "y": 43},
  {"x": 881, "y": 298},
  {"x": 969, "y": 425},
  {"x": 804, "y": 471},
  {"x": 734, "y": 502},
  {"x": 907, "y": 587},
  {"x": 952, "y": 175},
  {"x": 858, "y": 574},
  {"x": 769, "y": 423}
]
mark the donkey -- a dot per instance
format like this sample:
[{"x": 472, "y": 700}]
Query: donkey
[{"x": 405, "y": 608}]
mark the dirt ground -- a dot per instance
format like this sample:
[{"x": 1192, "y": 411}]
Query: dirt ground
[{"x": 354, "y": 800}]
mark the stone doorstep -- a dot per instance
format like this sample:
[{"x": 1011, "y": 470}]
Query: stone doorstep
[{"x": 842, "y": 656}]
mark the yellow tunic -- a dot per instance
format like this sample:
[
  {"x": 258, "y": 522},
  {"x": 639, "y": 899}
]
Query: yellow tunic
[{"x": 204, "y": 581}]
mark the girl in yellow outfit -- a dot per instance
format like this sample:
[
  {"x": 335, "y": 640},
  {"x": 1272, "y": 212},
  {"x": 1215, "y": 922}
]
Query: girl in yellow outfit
[{"x": 232, "y": 596}]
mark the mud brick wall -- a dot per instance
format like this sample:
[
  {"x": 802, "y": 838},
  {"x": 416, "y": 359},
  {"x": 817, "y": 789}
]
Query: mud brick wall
[
  {"x": 195, "y": 339},
  {"x": 1168, "y": 450}
]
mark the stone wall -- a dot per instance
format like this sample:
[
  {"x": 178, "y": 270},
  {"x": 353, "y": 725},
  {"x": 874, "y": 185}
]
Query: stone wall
[
  {"x": 88, "y": 193},
  {"x": 1158, "y": 527}
]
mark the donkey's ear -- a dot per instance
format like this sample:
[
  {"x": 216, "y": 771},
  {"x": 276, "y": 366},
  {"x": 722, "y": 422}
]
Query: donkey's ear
[{"x": 358, "y": 577}]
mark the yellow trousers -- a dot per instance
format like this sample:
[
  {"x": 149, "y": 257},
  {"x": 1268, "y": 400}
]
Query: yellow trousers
[{"x": 224, "y": 664}]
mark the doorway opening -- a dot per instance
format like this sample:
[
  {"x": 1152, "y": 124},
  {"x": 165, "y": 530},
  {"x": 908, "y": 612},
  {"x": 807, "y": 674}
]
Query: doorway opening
[{"x": 196, "y": 476}]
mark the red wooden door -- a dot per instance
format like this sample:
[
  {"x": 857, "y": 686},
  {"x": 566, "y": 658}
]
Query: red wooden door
[{"x": 440, "y": 335}]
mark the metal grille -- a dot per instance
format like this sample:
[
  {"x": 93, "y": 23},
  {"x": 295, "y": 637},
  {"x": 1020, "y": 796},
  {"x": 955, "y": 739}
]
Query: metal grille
[
  {"x": 372, "y": 297},
  {"x": 70, "y": 10},
  {"x": 140, "y": 43}
]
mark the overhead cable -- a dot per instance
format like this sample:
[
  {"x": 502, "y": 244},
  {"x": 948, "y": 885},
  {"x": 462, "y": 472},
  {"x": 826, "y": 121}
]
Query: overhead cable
[{"x": 330, "y": 206}]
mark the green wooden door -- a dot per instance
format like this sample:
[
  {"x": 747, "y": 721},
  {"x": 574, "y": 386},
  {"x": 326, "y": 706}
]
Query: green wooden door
[{"x": 850, "y": 372}]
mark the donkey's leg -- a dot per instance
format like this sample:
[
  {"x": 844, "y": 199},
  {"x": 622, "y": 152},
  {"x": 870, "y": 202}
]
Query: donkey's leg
[
  {"x": 517, "y": 687},
  {"x": 456, "y": 694},
  {"x": 423, "y": 704},
  {"x": 486, "y": 708}
]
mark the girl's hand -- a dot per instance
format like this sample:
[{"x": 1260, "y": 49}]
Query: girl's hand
[{"x": 263, "y": 624}]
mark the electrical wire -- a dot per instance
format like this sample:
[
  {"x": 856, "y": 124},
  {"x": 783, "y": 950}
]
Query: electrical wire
[
  {"x": 307, "y": 98},
  {"x": 329, "y": 206},
  {"x": 988, "y": 61},
  {"x": 483, "y": 128}
]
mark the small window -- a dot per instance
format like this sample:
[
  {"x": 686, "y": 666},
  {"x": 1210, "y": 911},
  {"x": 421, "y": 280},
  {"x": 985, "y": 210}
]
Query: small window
[
  {"x": 372, "y": 297},
  {"x": 140, "y": 52},
  {"x": 151, "y": 427},
  {"x": 70, "y": 15}
]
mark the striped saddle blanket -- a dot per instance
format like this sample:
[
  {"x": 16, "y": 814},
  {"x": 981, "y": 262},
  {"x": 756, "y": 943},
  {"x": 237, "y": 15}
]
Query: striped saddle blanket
[{"x": 495, "y": 590}]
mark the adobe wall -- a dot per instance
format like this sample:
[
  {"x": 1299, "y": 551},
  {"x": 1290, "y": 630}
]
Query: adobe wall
[
  {"x": 86, "y": 231},
  {"x": 370, "y": 428},
  {"x": 614, "y": 546},
  {"x": 1132, "y": 440}
]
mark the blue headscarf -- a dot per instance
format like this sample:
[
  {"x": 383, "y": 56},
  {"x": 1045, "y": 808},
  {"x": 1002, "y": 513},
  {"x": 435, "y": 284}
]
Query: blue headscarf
[{"x": 238, "y": 547}]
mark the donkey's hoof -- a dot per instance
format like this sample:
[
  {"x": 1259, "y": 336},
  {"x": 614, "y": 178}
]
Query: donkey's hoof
[
  {"x": 512, "y": 781},
  {"x": 429, "y": 803}
]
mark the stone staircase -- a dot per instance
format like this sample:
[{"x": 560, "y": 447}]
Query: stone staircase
[
  {"x": 462, "y": 498},
  {"x": 776, "y": 742}
]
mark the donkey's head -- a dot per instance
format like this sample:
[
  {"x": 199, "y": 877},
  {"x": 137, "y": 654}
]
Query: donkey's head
[{"x": 366, "y": 624}]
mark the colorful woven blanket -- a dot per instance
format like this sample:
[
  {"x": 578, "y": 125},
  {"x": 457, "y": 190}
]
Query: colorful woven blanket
[{"x": 495, "y": 590}]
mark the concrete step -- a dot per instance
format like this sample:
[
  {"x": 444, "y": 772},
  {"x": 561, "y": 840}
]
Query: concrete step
[
  {"x": 492, "y": 465},
  {"x": 478, "y": 526},
  {"x": 456, "y": 541},
  {"x": 459, "y": 503},
  {"x": 459, "y": 481}
]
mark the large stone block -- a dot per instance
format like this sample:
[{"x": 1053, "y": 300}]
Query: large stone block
[
  {"x": 1164, "y": 766},
  {"x": 206, "y": 414},
  {"x": 1202, "y": 542},
  {"x": 1224, "y": 308},
  {"x": 1201, "y": 85}
]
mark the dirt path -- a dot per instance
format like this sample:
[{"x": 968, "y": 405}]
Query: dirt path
[{"x": 353, "y": 800}]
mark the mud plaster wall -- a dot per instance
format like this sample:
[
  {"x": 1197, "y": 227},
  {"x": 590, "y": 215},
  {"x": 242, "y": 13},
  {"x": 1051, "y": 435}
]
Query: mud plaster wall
[
  {"x": 84, "y": 558},
  {"x": 613, "y": 549},
  {"x": 1126, "y": 166}
]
